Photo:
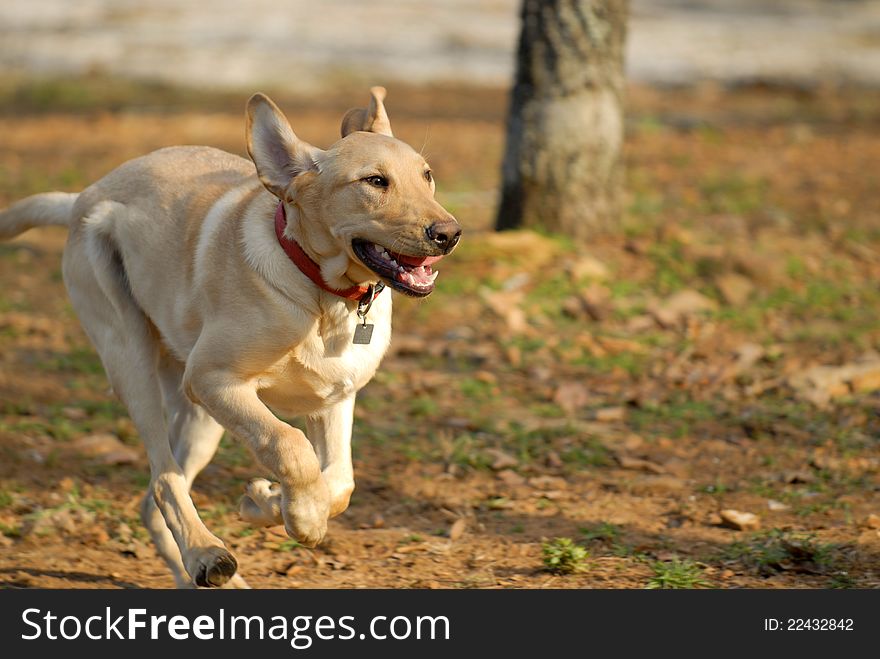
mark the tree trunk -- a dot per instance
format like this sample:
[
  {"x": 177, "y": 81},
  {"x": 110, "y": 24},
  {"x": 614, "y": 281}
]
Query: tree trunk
[{"x": 561, "y": 170}]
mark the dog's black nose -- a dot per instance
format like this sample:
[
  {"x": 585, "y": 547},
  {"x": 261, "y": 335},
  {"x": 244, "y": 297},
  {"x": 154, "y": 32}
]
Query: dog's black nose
[{"x": 444, "y": 234}]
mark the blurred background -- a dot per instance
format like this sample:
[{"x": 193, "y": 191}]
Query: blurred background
[
  {"x": 291, "y": 45},
  {"x": 689, "y": 400}
]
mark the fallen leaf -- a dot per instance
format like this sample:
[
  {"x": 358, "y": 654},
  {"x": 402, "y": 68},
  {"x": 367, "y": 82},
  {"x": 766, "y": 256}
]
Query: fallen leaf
[
  {"x": 821, "y": 384},
  {"x": 106, "y": 448},
  {"x": 457, "y": 529},
  {"x": 505, "y": 304},
  {"x": 638, "y": 464}
]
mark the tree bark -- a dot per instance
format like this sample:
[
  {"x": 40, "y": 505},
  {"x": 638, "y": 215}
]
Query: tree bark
[{"x": 562, "y": 164}]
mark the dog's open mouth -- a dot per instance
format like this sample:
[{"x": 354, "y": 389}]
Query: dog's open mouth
[{"x": 411, "y": 275}]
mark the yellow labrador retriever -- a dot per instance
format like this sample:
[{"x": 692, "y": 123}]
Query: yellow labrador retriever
[{"x": 213, "y": 291}]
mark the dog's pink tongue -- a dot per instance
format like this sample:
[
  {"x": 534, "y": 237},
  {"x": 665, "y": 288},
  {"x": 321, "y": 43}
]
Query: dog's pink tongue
[{"x": 416, "y": 260}]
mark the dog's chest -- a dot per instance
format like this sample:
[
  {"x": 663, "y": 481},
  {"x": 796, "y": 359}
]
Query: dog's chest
[{"x": 326, "y": 367}]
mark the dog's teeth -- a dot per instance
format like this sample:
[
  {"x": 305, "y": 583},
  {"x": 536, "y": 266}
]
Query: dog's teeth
[
  {"x": 377, "y": 249},
  {"x": 433, "y": 276}
]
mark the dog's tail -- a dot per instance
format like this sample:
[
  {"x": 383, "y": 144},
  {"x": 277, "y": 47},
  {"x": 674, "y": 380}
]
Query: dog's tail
[{"x": 40, "y": 210}]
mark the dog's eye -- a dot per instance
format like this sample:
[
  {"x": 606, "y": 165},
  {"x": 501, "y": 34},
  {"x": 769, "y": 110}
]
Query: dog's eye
[
  {"x": 377, "y": 181},
  {"x": 428, "y": 176}
]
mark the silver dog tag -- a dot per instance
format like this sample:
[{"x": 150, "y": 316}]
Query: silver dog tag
[{"x": 363, "y": 332}]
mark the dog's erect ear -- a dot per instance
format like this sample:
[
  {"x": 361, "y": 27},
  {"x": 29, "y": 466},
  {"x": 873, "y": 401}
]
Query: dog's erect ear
[
  {"x": 273, "y": 146},
  {"x": 373, "y": 120}
]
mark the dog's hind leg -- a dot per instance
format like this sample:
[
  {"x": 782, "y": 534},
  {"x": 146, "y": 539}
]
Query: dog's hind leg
[
  {"x": 194, "y": 438},
  {"x": 126, "y": 341}
]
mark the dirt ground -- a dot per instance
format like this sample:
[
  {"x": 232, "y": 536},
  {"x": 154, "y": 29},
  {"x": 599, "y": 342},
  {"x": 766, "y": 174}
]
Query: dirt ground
[{"x": 721, "y": 355}]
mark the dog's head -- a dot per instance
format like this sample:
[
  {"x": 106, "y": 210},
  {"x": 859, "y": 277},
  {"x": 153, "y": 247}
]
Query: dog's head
[{"x": 365, "y": 207}]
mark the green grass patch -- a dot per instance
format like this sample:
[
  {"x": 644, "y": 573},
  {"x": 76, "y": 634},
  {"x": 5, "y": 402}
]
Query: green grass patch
[
  {"x": 733, "y": 193},
  {"x": 10, "y": 531},
  {"x": 677, "y": 574},
  {"x": 603, "y": 532},
  {"x": 563, "y": 556},
  {"x": 78, "y": 360},
  {"x": 287, "y": 545},
  {"x": 677, "y": 416},
  {"x": 769, "y": 552}
]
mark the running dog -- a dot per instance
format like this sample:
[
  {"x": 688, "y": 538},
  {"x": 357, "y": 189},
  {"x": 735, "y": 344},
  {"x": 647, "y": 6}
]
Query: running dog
[{"x": 215, "y": 288}]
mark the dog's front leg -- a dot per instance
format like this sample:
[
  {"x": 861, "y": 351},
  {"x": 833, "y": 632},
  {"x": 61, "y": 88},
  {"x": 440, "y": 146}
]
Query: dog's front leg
[
  {"x": 304, "y": 503},
  {"x": 330, "y": 434}
]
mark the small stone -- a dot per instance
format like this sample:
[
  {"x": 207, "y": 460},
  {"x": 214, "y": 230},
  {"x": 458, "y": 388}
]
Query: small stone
[
  {"x": 739, "y": 520},
  {"x": 776, "y": 506}
]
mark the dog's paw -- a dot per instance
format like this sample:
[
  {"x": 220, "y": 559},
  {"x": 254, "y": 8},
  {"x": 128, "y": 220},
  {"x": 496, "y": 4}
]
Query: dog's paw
[
  {"x": 261, "y": 504},
  {"x": 210, "y": 567},
  {"x": 306, "y": 512}
]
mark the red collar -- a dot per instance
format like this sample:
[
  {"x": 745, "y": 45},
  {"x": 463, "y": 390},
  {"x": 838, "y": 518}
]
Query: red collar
[{"x": 311, "y": 269}]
